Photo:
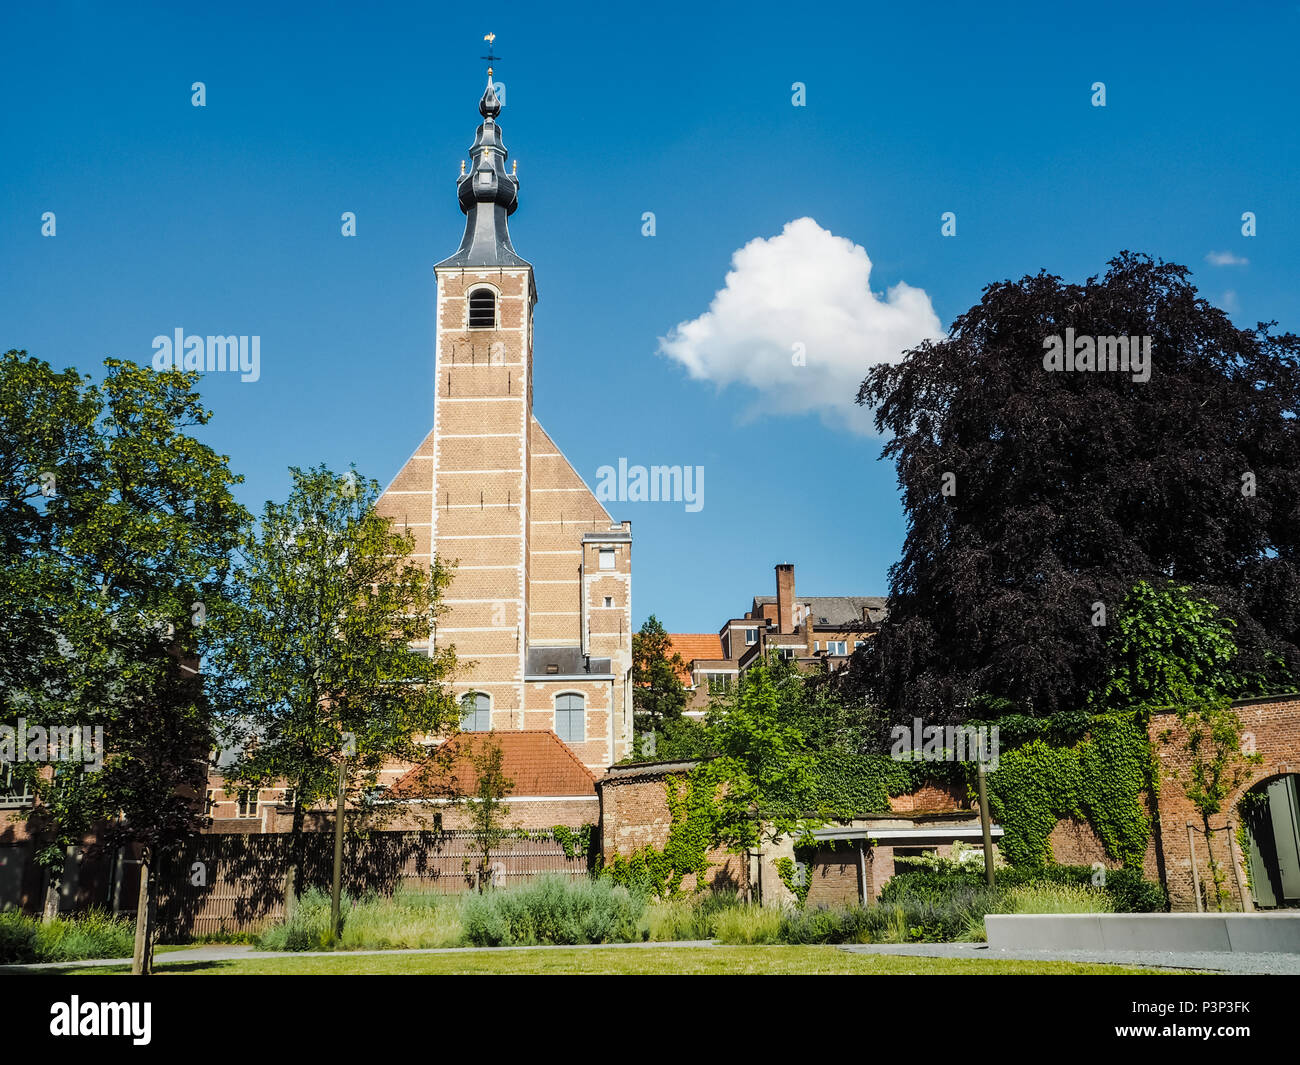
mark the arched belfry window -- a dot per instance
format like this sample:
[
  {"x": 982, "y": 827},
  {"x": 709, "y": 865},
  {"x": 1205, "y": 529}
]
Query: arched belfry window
[{"x": 482, "y": 309}]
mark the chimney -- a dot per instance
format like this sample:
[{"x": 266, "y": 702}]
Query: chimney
[
  {"x": 809, "y": 632},
  {"x": 785, "y": 597}
]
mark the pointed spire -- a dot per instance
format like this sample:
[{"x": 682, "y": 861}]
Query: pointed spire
[{"x": 487, "y": 193}]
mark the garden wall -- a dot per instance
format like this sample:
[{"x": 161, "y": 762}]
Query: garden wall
[{"x": 1271, "y": 727}]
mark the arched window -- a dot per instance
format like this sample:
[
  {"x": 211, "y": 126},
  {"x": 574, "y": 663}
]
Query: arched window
[
  {"x": 570, "y": 718},
  {"x": 482, "y": 309},
  {"x": 475, "y": 712}
]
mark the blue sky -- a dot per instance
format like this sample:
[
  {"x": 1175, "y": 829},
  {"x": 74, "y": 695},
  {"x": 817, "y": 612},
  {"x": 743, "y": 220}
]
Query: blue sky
[{"x": 225, "y": 219}]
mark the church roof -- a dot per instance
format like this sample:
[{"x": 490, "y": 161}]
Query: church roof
[{"x": 537, "y": 760}]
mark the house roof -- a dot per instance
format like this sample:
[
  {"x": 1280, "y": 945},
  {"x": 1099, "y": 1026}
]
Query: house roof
[
  {"x": 537, "y": 760},
  {"x": 836, "y": 609},
  {"x": 693, "y": 645}
]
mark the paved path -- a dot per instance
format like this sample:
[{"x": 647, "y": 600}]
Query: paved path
[{"x": 1205, "y": 961}]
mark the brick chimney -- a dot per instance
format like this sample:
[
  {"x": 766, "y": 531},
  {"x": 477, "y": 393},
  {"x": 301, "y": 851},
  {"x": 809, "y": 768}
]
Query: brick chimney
[{"x": 785, "y": 597}]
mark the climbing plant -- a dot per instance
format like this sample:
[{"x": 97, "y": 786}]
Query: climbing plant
[{"x": 1099, "y": 779}]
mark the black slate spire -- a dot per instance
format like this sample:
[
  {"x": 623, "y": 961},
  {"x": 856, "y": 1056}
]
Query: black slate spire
[{"x": 487, "y": 194}]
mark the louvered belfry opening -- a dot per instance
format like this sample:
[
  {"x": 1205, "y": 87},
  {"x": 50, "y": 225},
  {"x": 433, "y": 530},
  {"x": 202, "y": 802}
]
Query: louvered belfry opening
[{"x": 482, "y": 309}]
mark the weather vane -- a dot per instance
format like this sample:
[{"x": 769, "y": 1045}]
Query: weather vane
[{"x": 490, "y": 38}]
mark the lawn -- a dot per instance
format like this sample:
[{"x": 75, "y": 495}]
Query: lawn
[{"x": 619, "y": 960}]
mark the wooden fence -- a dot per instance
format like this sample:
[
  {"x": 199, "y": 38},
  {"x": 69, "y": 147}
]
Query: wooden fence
[{"x": 235, "y": 883}]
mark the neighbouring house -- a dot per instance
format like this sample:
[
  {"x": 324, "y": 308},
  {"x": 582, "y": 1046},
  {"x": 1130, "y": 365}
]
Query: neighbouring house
[{"x": 818, "y": 632}]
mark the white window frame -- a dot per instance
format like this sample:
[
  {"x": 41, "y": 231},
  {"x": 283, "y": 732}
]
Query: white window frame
[
  {"x": 478, "y": 709},
  {"x": 496, "y": 306},
  {"x": 568, "y": 710},
  {"x": 609, "y": 554},
  {"x": 246, "y": 803}
]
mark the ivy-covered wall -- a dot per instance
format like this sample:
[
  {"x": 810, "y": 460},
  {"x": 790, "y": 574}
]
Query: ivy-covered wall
[{"x": 1100, "y": 778}]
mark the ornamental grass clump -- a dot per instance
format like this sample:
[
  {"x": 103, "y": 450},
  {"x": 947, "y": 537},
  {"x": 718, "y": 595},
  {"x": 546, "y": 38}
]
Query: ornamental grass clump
[
  {"x": 553, "y": 909},
  {"x": 93, "y": 934},
  {"x": 308, "y": 928},
  {"x": 748, "y": 925},
  {"x": 404, "y": 922}
]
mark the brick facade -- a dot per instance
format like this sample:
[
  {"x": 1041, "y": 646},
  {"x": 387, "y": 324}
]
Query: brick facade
[{"x": 1271, "y": 727}]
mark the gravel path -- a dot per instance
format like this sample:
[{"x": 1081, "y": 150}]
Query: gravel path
[{"x": 1205, "y": 961}]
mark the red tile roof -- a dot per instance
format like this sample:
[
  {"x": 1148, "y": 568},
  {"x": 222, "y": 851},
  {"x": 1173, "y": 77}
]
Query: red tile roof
[
  {"x": 537, "y": 760},
  {"x": 693, "y": 645}
]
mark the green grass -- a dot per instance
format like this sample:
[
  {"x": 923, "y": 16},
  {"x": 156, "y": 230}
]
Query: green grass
[{"x": 623, "y": 960}]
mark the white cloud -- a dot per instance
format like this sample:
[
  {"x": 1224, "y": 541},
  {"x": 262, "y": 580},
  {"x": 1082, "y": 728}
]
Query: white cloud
[
  {"x": 1225, "y": 258},
  {"x": 806, "y": 287}
]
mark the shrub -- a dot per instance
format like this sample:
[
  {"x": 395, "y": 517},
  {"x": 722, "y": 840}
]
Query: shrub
[
  {"x": 17, "y": 937},
  {"x": 748, "y": 924},
  {"x": 93, "y": 934},
  {"x": 1130, "y": 892}
]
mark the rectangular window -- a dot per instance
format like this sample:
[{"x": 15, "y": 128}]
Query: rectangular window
[
  {"x": 751, "y": 635},
  {"x": 247, "y": 804},
  {"x": 570, "y": 718},
  {"x": 838, "y": 647},
  {"x": 13, "y": 792},
  {"x": 719, "y": 683},
  {"x": 609, "y": 600},
  {"x": 859, "y": 644},
  {"x": 606, "y": 558}
]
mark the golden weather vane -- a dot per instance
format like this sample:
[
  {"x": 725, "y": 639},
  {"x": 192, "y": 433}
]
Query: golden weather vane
[{"x": 491, "y": 39}]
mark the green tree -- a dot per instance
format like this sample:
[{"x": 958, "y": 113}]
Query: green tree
[
  {"x": 112, "y": 572},
  {"x": 486, "y": 802},
  {"x": 658, "y": 695},
  {"x": 326, "y": 647},
  {"x": 763, "y": 769},
  {"x": 1167, "y": 648}
]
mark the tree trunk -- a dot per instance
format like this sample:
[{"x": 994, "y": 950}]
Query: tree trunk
[
  {"x": 1214, "y": 867},
  {"x": 51, "y": 908},
  {"x": 142, "y": 960}
]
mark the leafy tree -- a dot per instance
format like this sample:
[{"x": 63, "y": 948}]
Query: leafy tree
[
  {"x": 1034, "y": 498},
  {"x": 118, "y": 562},
  {"x": 486, "y": 803},
  {"x": 316, "y": 654},
  {"x": 658, "y": 695},
  {"x": 763, "y": 769},
  {"x": 1168, "y": 648}
]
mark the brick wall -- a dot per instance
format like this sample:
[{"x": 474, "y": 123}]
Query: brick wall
[
  {"x": 932, "y": 798},
  {"x": 1271, "y": 727},
  {"x": 635, "y": 814}
]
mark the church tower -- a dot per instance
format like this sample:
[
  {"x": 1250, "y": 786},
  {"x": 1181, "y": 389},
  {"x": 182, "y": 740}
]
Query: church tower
[{"x": 539, "y": 608}]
